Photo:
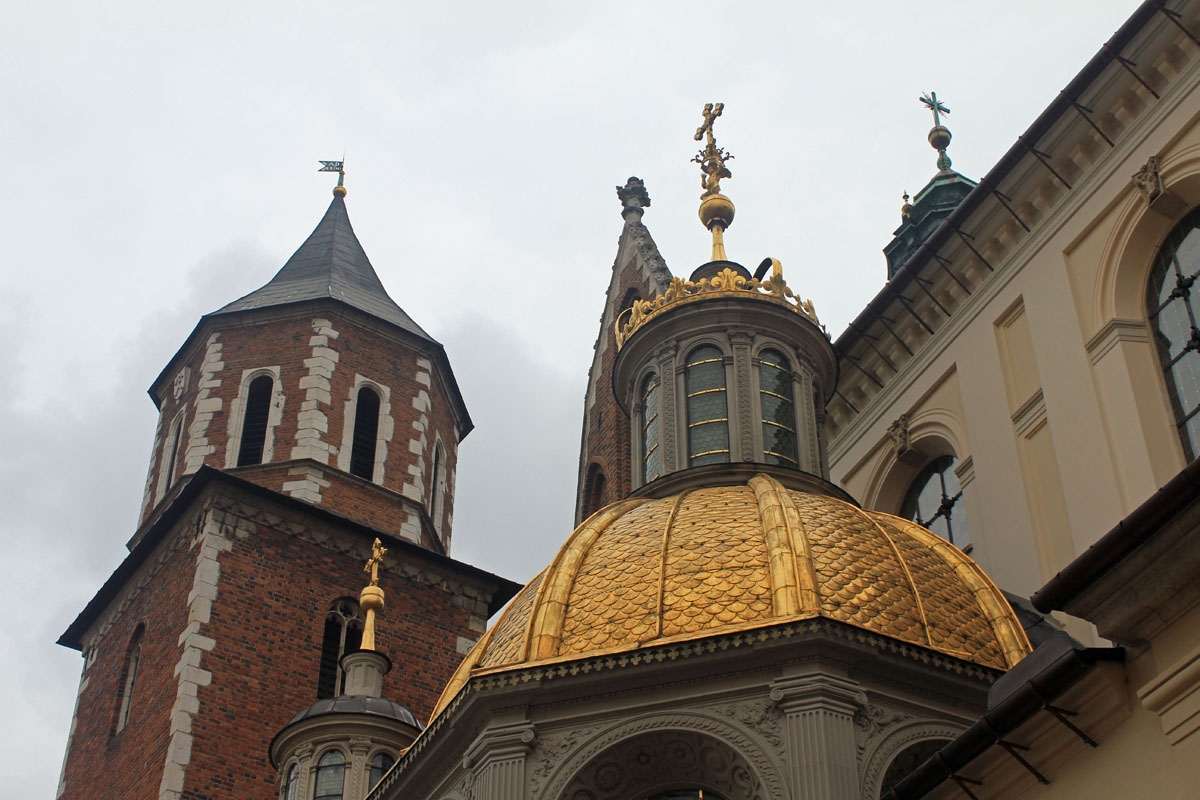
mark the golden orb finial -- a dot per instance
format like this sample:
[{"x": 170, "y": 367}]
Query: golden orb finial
[
  {"x": 371, "y": 597},
  {"x": 716, "y": 210},
  {"x": 906, "y": 209},
  {"x": 340, "y": 168}
]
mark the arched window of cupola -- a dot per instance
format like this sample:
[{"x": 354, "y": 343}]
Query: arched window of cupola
[
  {"x": 651, "y": 455},
  {"x": 380, "y": 764},
  {"x": 1173, "y": 310},
  {"x": 288, "y": 790},
  {"x": 778, "y": 408},
  {"x": 127, "y": 684},
  {"x": 707, "y": 407},
  {"x": 254, "y": 421},
  {"x": 935, "y": 501},
  {"x": 366, "y": 433},
  {"x": 342, "y": 635},
  {"x": 330, "y": 780}
]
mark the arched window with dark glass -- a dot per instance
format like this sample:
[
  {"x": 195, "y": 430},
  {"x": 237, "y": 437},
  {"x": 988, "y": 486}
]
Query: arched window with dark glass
[
  {"x": 907, "y": 760},
  {"x": 380, "y": 764},
  {"x": 288, "y": 790},
  {"x": 127, "y": 684},
  {"x": 436, "y": 489},
  {"x": 254, "y": 420},
  {"x": 935, "y": 501},
  {"x": 1173, "y": 309},
  {"x": 173, "y": 456},
  {"x": 707, "y": 407},
  {"x": 331, "y": 776},
  {"x": 649, "y": 418},
  {"x": 342, "y": 635},
  {"x": 778, "y": 408},
  {"x": 366, "y": 433}
]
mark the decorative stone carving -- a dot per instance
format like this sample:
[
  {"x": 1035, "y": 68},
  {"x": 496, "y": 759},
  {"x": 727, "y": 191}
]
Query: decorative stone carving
[
  {"x": 871, "y": 721},
  {"x": 1148, "y": 180},
  {"x": 634, "y": 199},
  {"x": 761, "y": 716},
  {"x": 902, "y": 442},
  {"x": 181, "y": 382},
  {"x": 551, "y": 750},
  {"x": 894, "y": 736},
  {"x": 763, "y": 767}
]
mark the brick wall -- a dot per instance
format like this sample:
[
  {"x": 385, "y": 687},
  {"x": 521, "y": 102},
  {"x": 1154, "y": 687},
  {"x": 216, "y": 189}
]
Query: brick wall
[
  {"x": 321, "y": 354},
  {"x": 221, "y": 677}
]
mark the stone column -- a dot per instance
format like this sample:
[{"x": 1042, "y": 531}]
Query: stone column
[
  {"x": 741, "y": 399},
  {"x": 819, "y": 727},
  {"x": 356, "y": 780},
  {"x": 668, "y": 414},
  {"x": 497, "y": 757}
]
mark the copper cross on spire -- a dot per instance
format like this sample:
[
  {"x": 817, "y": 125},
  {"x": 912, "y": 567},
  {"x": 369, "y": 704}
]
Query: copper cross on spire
[
  {"x": 711, "y": 112},
  {"x": 936, "y": 106}
]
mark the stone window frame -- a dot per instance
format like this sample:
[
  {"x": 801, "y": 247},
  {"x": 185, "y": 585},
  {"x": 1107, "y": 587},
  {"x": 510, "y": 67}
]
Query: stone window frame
[
  {"x": 439, "y": 483},
  {"x": 636, "y": 443},
  {"x": 956, "y": 467},
  {"x": 290, "y": 779},
  {"x": 383, "y": 433},
  {"x": 171, "y": 452},
  {"x": 127, "y": 680},
  {"x": 342, "y": 650},
  {"x": 237, "y": 415}
]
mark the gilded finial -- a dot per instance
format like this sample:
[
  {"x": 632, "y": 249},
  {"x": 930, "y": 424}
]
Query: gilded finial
[
  {"x": 371, "y": 597},
  {"x": 906, "y": 209},
  {"x": 340, "y": 168},
  {"x": 716, "y": 210},
  {"x": 939, "y": 135}
]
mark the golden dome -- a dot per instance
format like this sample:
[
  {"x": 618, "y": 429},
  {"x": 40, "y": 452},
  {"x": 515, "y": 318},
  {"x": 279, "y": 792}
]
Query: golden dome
[{"x": 643, "y": 572}]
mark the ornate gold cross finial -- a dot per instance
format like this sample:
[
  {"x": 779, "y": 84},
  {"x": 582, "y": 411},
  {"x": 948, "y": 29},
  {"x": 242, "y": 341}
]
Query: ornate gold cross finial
[
  {"x": 371, "y": 597},
  {"x": 716, "y": 210}
]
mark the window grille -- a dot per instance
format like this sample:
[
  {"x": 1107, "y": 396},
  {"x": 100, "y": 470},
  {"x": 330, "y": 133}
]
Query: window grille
[
  {"x": 778, "y": 408},
  {"x": 650, "y": 453},
  {"x": 366, "y": 434},
  {"x": 343, "y": 634},
  {"x": 254, "y": 420},
  {"x": 934, "y": 501},
  {"x": 1173, "y": 310},
  {"x": 707, "y": 408}
]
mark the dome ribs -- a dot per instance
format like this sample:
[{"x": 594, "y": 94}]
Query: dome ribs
[
  {"x": 662, "y": 562},
  {"x": 793, "y": 577}
]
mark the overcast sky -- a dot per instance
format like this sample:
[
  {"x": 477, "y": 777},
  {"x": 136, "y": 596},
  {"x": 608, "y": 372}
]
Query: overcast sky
[{"x": 159, "y": 160}]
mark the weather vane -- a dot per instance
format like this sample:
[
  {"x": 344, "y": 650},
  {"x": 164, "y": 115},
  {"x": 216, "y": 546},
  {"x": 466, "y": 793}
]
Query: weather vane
[{"x": 340, "y": 168}]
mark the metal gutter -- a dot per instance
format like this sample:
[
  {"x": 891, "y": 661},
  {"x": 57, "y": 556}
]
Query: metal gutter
[
  {"x": 1127, "y": 535},
  {"x": 1057, "y": 665}
]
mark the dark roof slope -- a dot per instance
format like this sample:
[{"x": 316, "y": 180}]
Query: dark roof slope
[{"x": 331, "y": 263}]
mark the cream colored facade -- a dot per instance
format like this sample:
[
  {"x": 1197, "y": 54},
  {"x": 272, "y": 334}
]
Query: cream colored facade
[{"x": 1043, "y": 381}]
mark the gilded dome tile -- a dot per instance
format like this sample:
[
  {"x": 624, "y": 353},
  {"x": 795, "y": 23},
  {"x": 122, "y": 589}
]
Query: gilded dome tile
[{"x": 713, "y": 560}]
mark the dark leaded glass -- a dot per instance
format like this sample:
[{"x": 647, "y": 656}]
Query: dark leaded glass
[
  {"x": 331, "y": 776},
  {"x": 778, "y": 409},
  {"x": 707, "y": 407},
  {"x": 934, "y": 501},
  {"x": 380, "y": 764},
  {"x": 254, "y": 421},
  {"x": 650, "y": 452},
  {"x": 366, "y": 432},
  {"x": 1173, "y": 308}
]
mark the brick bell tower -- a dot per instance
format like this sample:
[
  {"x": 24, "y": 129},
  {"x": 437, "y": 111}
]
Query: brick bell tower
[{"x": 296, "y": 425}]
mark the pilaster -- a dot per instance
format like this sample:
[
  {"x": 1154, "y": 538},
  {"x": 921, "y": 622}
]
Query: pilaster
[
  {"x": 741, "y": 409},
  {"x": 668, "y": 415},
  {"x": 497, "y": 758},
  {"x": 819, "y": 730}
]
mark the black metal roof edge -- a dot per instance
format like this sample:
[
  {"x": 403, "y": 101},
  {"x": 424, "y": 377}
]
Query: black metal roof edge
[
  {"x": 1124, "y": 537},
  {"x": 1029, "y": 694},
  {"x": 439, "y": 351},
  {"x": 504, "y": 590},
  {"x": 1058, "y": 106}
]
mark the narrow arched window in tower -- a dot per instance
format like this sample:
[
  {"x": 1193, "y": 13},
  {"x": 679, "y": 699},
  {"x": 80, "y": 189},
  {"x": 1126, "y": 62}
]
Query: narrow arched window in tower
[
  {"x": 380, "y": 764},
  {"x": 1173, "y": 309},
  {"x": 128, "y": 680},
  {"x": 288, "y": 790},
  {"x": 343, "y": 634},
  {"x": 707, "y": 409},
  {"x": 366, "y": 433},
  {"x": 650, "y": 453},
  {"x": 254, "y": 421},
  {"x": 778, "y": 408},
  {"x": 935, "y": 501},
  {"x": 331, "y": 776},
  {"x": 593, "y": 490},
  {"x": 173, "y": 452}
]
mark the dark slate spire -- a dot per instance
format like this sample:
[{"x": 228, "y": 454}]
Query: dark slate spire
[{"x": 330, "y": 264}]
